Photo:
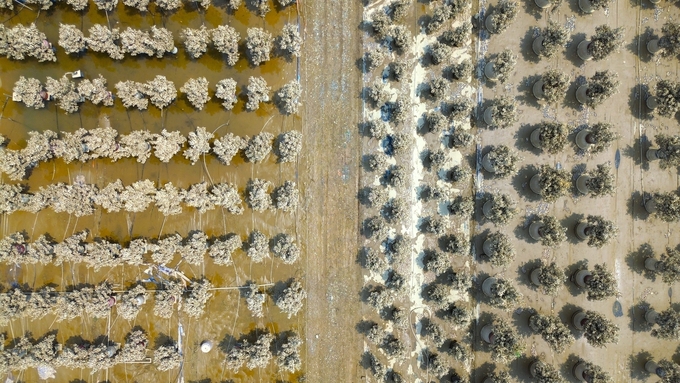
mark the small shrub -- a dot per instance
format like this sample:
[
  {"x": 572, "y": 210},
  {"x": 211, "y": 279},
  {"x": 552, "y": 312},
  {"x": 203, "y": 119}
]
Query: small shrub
[
  {"x": 555, "y": 37},
  {"x": 601, "y": 284},
  {"x": 555, "y": 85},
  {"x": 502, "y": 208},
  {"x": 455, "y": 244},
  {"x": 669, "y": 150},
  {"x": 435, "y": 225},
  {"x": 372, "y": 60},
  {"x": 506, "y": 344},
  {"x": 668, "y": 323},
  {"x": 461, "y": 71},
  {"x": 551, "y": 278},
  {"x": 601, "y": 86},
  {"x": 554, "y": 183},
  {"x": 601, "y": 181},
  {"x": 395, "y": 210},
  {"x": 599, "y": 330},
  {"x": 439, "y": 88},
  {"x": 504, "y": 112},
  {"x": 554, "y": 332},
  {"x": 462, "y": 206},
  {"x": 503, "y": 65},
  {"x": 458, "y": 36},
  {"x": 670, "y": 269},
  {"x": 436, "y": 122},
  {"x": 505, "y": 295},
  {"x": 552, "y": 233},
  {"x": 501, "y": 250},
  {"x": 600, "y": 231},
  {"x": 503, "y": 15},
  {"x": 440, "y": 15},
  {"x": 606, "y": 41},
  {"x": 503, "y": 160}
]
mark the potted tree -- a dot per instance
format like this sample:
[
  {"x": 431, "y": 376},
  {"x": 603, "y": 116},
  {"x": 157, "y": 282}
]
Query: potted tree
[
  {"x": 506, "y": 344},
  {"x": 501, "y": 293},
  {"x": 502, "y": 113},
  {"x": 551, "y": 39},
  {"x": 498, "y": 249},
  {"x": 597, "y": 230},
  {"x": 554, "y": 332},
  {"x": 549, "y": 136},
  {"x": 669, "y": 325},
  {"x": 590, "y": 6},
  {"x": 605, "y": 42},
  {"x": 600, "y": 283},
  {"x": 501, "y": 161},
  {"x": 544, "y": 373},
  {"x": 552, "y": 86},
  {"x": 666, "y": 101},
  {"x": 550, "y": 278},
  {"x": 500, "y": 68},
  {"x": 591, "y": 373},
  {"x": 596, "y": 138},
  {"x": 597, "y": 329},
  {"x": 598, "y": 182},
  {"x": 668, "y": 151},
  {"x": 670, "y": 39},
  {"x": 500, "y": 18},
  {"x": 666, "y": 206},
  {"x": 499, "y": 208},
  {"x": 547, "y": 229},
  {"x": 598, "y": 88},
  {"x": 550, "y": 183},
  {"x": 497, "y": 377}
]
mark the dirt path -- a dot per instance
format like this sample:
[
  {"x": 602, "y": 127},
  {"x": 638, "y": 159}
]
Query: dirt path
[{"x": 329, "y": 175}]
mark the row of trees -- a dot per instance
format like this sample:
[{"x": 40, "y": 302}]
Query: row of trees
[
  {"x": 100, "y": 252},
  {"x": 20, "y": 42},
  {"x": 87, "y": 145},
  {"x": 254, "y": 351},
  {"x": 261, "y": 6},
  {"x": 80, "y": 198}
]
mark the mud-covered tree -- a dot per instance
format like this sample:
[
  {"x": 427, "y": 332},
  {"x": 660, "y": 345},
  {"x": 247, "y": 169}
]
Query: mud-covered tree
[
  {"x": 257, "y": 247},
  {"x": 600, "y": 283},
  {"x": 291, "y": 298},
  {"x": 461, "y": 206},
  {"x": 131, "y": 93},
  {"x": 601, "y": 86},
  {"x": 196, "y": 41},
  {"x": 162, "y": 41},
  {"x": 167, "y": 144},
  {"x": 669, "y": 267},
  {"x": 549, "y": 230},
  {"x": 401, "y": 143},
  {"x": 286, "y": 197},
  {"x": 31, "y": 92},
  {"x": 166, "y": 298},
  {"x": 71, "y": 38},
  {"x": 439, "y": 87},
  {"x": 458, "y": 173},
  {"x": 503, "y": 112},
  {"x": 196, "y": 91},
  {"x": 502, "y": 160},
  {"x": 436, "y": 262},
  {"x": 165, "y": 6},
  {"x": 398, "y": 69},
  {"x": 597, "y": 230},
  {"x": 290, "y": 42},
  {"x": 141, "y": 5},
  {"x": 553, "y": 183},
  {"x": 461, "y": 71},
  {"x": 136, "y": 42},
  {"x": 550, "y": 277},
  {"x": 668, "y": 323},
  {"x": 378, "y": 93},
  {"x": 225, "y": 40},
  {"x": 223, "y": 247},
  {"x": 439, "y": 53},
  {"x": 552, "y": 136},
  {"x": 259, "y": 44},
  {"x": 400, "y": 38},
  {"x": 161, "y": 91},
  {"x": 458, "y": 36},
  {"x": 666, "y": 206},
  {"x": 95, "y": 91},
  {"x": 20, "y": 42},
  {"x": 554, "y": 38},
  {"x": 226, "y": 91},
  {"x": 253, "y": 355},
  {"x": 258, "y": 147},
  {"x": 286, "y": 249},
  {"x": 501, "y": 17},
  {"x": 228, "y": 146},
  {"x": 194, "y": 247},
  {"x": 199, "y": 144},
  {"x": 435, "y": 122},
  {"x": 167, "y": 357},
  {"x": 498, "y": 249},
  {"x": 103, "y": 40},
  {"x": 199, "y": 294},
  {"x": 288, "y": 97},
  {"x": 197, "y": 196},
  {"x": 137, "y": 196},
  {"x": 506, "y": 344},
  {"x": 131, "y": 302},
  {"x": 670, "y": 39},
  {"x": 499, "y": 208},
  {"x": 555, "y": 85},
  {"x": 544, "y": 372},
  {"x": 552, "y": 330},
  {"x": 254, "y": 299},
  {"x": 257, "y": 92},
  {"x": 257, "y": 194},
  {"x": 499, "y": 377},
  {"x": 288, "y": 146},
  {"x": 503, "y": 294},
  {"x": 136, "y": 144},
  {"x": 607, "y": 40},
  {"x": 503, "y": 65},
  {"x": 599, "y": 330},
  {"x": 64, "y": 92},
  {"x": 288, "y": 356}
]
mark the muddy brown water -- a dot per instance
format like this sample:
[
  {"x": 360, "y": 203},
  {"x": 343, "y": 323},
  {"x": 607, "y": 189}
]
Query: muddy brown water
[{"x": 226, "y": 313}]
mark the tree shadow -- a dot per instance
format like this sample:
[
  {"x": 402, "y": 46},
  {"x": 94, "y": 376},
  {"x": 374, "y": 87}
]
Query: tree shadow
[
  {"x": 522, "y": 141},
  {"x": 479, "y": 373},
  {"x": 576, "y": 38},
  {"x": 567, "y": 368},
  {"x": 569, "y": 100},
  {"x": 573, "y": 289},
  {"x": 364, "y": 326},
  {"x": 520, "y": 182},
  {"x": 577, "y": 171},
  {"x": 163, "y": 340},
  {"x": 637, "y": 102},
  {"x": 565, "y": 314},
  {"x": 521, "y": 322},
  {"x": 526, "y": 43},
  {"x": 636, "y": 314},
  {"x": 522, "y": 231},
  {"x": 570, "y": 223},
  {"x": 636, "y": 261},
  {"x": 636, "y": 207},
  {"x": 525, "y": 90},
  {"x": 636, "y": 365},
  {"x": 525, "y": 269}
]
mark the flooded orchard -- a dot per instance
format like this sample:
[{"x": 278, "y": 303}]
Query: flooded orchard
[{"x": 177, "y": 221}]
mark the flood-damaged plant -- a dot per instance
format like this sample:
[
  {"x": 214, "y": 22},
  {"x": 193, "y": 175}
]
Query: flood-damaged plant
[
  {"x": 286, "y": 249},
  {"x": 21, "y": 41},
  {"x": 222, "y": 248},
  {"x": 31, "y": 92},
  {"x": 167, "y": 357},
  {"x": 226, "y": 91},
  {"x": 161, "y": 91},
  {"x": 64, "y": 92},
  {"x": 499, "y": 249},
  {"x": 95, "y": 91},
  {"x": 553, "y": 331},
  {"x": 599, "y": 231},
  {"x": 555, "y": 38},
  {"x": 257, "y": 247},
  {"x": 288, "y": 97},
  {"x": 499, "y": 208},
  {"x": 225, "y": 40},
  {"x": 290, "y": 41},
  {"x": 196, "y": 91},
  {"x": 257, "y": 194},
  {"x": 458, "y": 36},
  {"x": 132, "y": 94},
  {"x": 199, "y": 144},
  {"x": 290, "y": 299},
  {"x": 71, "y": 38},
  {"x": 257, "y": 91},
  {"x": 599, "y": 330},
  {"x": 259, "y": 44},
  {"x": 196, "y": 41},
  {"x": 199, "y": 293},
  {"x": 102, "y": 39},
  {"x": 289, "y": 145},
  {"x": 506, "y": 344}
]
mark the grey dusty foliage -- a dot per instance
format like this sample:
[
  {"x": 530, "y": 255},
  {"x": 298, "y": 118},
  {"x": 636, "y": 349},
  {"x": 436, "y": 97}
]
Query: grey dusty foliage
[
  {"x": 372, "y": 60},
  {"x": 199, "y": 294},
  {"x": 501, "y": 208},
  {"x": 670, "y": 266},
  {"x": 258, "y": 45},
  {"x": 401, "y": 143},
  {"x": 102, "y": 39},
  {"x": 440, "y": 53},
  {"x": 377, "y": 162},
  {"x": 503, "y": 160},
  {"x": 400, "y": 110},
  {"x": 668, "y": 96},
  {"x": 401, "y": 38},
  {"x": 546, "y": 373},
  {"x": 462, "y": 206},
  {"x": 139, "y": 4},
  {"x": 669, "y": 150},
  {"x": 380, "y": 24},
  {"x": 458, "y": 36},
  {"x": 288, "y": 357},
  {"x": 196, "y": 91},
  {"x": 378, "y": 369},
  {"x": 290, "y": 41},
  {"x": 555, "y": 85},
  {"x": 225, "y": 40},
  {"x": 555, "y": 38},
  {"x": 507, "y": 344},
  {"x": 291, "y": 299},
  {"x": 670, "y": 39},
  {"x": 504, "y": 112},
  {"x": 433, "y": 363},
  {"x": 257, "y": 91},
  {"x": 288, "y": 97},
  {"x": 460, "y": 110},
  {"x": 499, "y": 377},
  {"x": 377, "y": 129},
  {"x": 440, "y": 15},
  {"x": 667, "y": 206},
  {"x": 554, "y": 183},
  {"x": 503, "y": 65},
  {"x": 461, "y": 71},
  {"x": 288, "y": 146},
  {"x": 228, "y": 146},
  {"x": 254, "y": 300},
  {"x": 553, "y": 136},
  {"x": 552, "y": 278},
  {"x": 599, "y": 331},
  {"x": 131, "y": 302},
  {"x": 433, "y": 333},
  {"x": 131, "y": 93},
  {"x": 596, "y": 374},
  {"x": 167, "y": 357},
  {"x": 601, "y": 284},
  {"x": 456, "y": 244},
  {"x": 286, "y": 249},
  {"x": 20, "y": 42},
  {"x": 258, "y": 147},
  {"x": 436, "y": 122},
  {"x": 439, "y": 88},
  {"x": 30, "y": 92},
  {"x": 602, "y": 135},
  {"x": 375, "y": 227},
  {"x": 257, "y": 194},
  {"x": 167, "y": 144},
  {"x": 71, "y": 38},
  {"x": 668, "y": 323},
  {"x": 600, "y": 231},
  {"x": 607, "y": 40},
  {"x": 374, "y": 196},
  {"x": 398, "y": 69},
  {"x": 436, "y": 262},
  {"x": 255, "y": 355},
  {"x": 553, "y": 331},
  {"x": 436, "y": 158},
  {"x": 106, "y": 5},
  {"x": 378, "y": 93},
  {"x": 501, "y": 250},
  {"x": 286, "y": 197},
  {"x": 226, "y": 91},
  {"x": 458, "y": 316},
  {"x": 168, "y": 5},
  {"x": 199, "y": 144},
  {"x": 135, "y": 144},
  {"x": 161, "y": 91},
  {"x": 601, "y": 86},
  {"x": 505, "y": 295},
  {"x": 196, "y": 41},
  {"x": 395, "y": 210},
  {"x": 257, "y": 247},
  {"x": 552, "y": 233},
  {"x": 461, "y": 139},
  {"x": 222, "y": 248},
  {"x": 435, "y": 225},
  {"x": 503, "y": 15}
]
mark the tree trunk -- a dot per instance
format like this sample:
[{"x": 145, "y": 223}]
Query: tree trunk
[
  {"x": 652, "y": 102},
  {"x": 533, "y": 366},
  {"x": 580, "y": 277},
  {"x": 650, "y": 205},
  {"x": 581, "y": 230},
  {"x": 582, "y": 48},
  {"x": 487, "y": 285},
  {"x": 577, "y": 319},
  {"x": 534, "y": 230},
  {"x": 582, "y": 184},
  {"x": 535, "y": 184},
  {"x": 535, "y": 138},
  {"x": 581, "y": 141},
  {"x": 651, "y": 264}
]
